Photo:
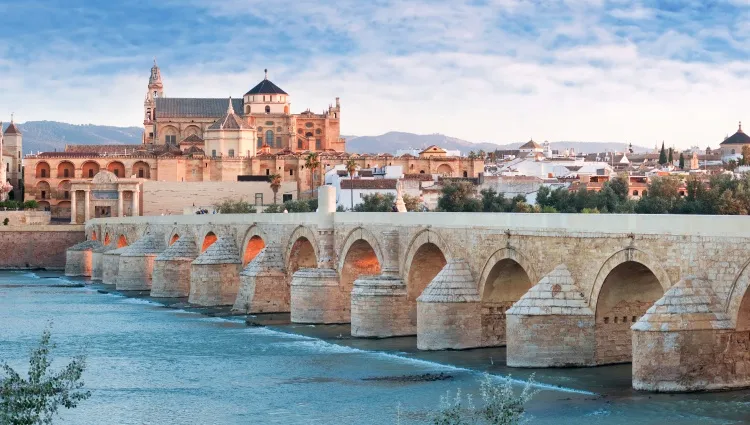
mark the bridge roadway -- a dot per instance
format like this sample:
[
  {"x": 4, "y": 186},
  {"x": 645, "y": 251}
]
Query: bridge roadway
[{"x": 667, "y": 292}]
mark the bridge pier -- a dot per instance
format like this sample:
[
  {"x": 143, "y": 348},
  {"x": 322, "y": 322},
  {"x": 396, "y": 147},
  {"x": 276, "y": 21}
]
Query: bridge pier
[
  {"x": 449, "y": 310},
  {"x": 215, "y": 275},
  {"x": 137, "y": 263},
  {"x": 264, "y": 287},
  {"x": 551, "y": 325},
  {"x": 97, "y": 261},
  {"x": 111, "y": 265},
  {"x": 686, "y": 342},
  {"x": 171, "y": 277},
  {"x": 78, "y": 258},
  {"x": 379, "y": 304}
]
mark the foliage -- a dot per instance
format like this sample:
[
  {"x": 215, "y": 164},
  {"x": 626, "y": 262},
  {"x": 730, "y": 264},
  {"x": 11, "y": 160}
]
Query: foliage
[
  {"x": 662, "y": 155},
  {"x": 11, "y": 205},
  {"x": 500, "y": 404},
  {"x": 671, "y": 156},
  {"x": 340, "y": 208},
  {"x": 275, "y": 208},
  {"x": 312, "y": 162},
  {"x": 376, "y": 202},
  {"x": 275, "y": 181},
  {"x": 37, "y": 399},
  {"x": 459, "y": 197},
  {"x": 412, "y": 202},
  {"x": 231, "y": 206},
  {"x": 6, "y": 221},
  {"x": 682, "y": 161},
  {"x": 30, "y": 205},
  {"x": 745, "y": 160},
  {"x": 301, "y": 205}
]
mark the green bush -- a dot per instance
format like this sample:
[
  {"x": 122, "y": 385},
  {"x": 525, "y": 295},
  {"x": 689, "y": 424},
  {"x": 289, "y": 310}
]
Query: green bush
[
  {"x": 230, "y": 206},
  {"x": 275, "y": 208},
  {"x": 31, "y": 205}
]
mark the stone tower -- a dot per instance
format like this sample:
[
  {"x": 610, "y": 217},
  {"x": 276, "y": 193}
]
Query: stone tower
[
  {"x": 13, "y": 144},
  {"x": 155, "y": 90},
  {"x": 3, "y": 166}
]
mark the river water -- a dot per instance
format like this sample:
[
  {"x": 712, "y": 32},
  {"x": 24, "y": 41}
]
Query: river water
[{"x": 148, "y": 364}]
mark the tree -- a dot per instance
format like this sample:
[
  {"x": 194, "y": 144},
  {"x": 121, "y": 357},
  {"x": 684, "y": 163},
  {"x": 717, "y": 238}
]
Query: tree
[
  {"x": 230, "y": 206},
  {"x": 500, "y": 404},
  {"x": 746, "y": 155},
  {"x": 662, "y": 155},
  {"x": 275, "y": 180},
  {"x": 493, "y": 201},
  {"x": 351, "y": 167},
  {"x": 671, "y": 156},
  {"x": 37, "y": 399},
  {"x": 411, "y": 202},
  {"x": 459, "y": 197},
  {"x": 472, "y": 155},
  {"x": 312, "y": 162},
  {"x": 682, "y": 161},
  {"x": 376, "y": 202},
  {"x": 620, "y": 186}
]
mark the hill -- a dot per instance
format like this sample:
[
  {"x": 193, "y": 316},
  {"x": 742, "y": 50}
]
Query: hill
[
  {"x": 393, "y": 141},
  {"x": 51, "y": 135}
]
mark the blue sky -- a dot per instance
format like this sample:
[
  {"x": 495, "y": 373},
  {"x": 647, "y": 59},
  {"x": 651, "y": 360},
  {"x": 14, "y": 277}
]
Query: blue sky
[{"x": 482, "y": 70}]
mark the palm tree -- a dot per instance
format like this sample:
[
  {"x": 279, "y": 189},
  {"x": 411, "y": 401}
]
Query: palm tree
[
  {"x": 472, "y": 155},
  {"x": 312, "y": 163},
  {"x": 351, "y": 167},
  {"x": 275, "y": 180}
]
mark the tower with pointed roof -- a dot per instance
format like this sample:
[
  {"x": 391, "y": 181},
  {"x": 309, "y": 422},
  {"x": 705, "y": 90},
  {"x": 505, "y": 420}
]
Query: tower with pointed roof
[
  {"x": 13, "y": 146},
  {"x": 230, "y": 136},
  {"x": 731, "y": 147},
  {"x": 155, "y": 91}
]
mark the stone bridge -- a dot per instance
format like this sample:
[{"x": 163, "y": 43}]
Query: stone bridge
[{"x": 667, "y": 293}]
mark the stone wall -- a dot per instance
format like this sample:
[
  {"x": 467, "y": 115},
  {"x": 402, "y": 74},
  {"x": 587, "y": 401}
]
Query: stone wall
[
  {"x": 30, "y": 247},
  {"x": 25, "y": 218}
]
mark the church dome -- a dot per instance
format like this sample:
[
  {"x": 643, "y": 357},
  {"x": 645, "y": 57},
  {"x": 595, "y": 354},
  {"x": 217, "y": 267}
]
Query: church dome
[
  {"x": 738, "y": 138},
  {"x": 266, "y": 87}
]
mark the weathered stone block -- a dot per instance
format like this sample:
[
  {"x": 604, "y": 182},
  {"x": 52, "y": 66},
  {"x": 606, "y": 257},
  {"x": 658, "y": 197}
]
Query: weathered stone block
[
  {"x": 316, "y": 297},
  {"x": 171, "y": 278},
  {"x": 380, "y": 307},
  {"x": 264, "y": 285}
]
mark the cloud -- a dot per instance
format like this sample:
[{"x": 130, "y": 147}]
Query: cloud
[{"x": 484, "y": 70}]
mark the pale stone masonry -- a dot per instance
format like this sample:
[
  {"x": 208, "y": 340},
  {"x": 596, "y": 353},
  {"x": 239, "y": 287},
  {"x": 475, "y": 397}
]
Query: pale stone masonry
[
  {"x": 171, "y": 278},
  {"x": 137, "y": 263},
  {"x": 79, "y": 258},
  {"x": 557, "y": 289}
]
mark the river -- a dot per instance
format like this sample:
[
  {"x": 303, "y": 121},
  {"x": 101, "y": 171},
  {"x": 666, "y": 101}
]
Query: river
[{"x": 148, "y": 364}]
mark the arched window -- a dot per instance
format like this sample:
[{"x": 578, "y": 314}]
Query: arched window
[
  {"x": 635, "y": 193},
  {"x": 466, "y": 174},
  {"x": 308, "y": 134},
  {"x": 260, "y": 141},
  {"x": 66, "y": 194},
  {"x": 65, "y": 173},
  {"x": 140, "y": 173},
  {"x": 268, "y": 109},
  {"x": 231, "y": 153},
  {"x": 269, "y": 138},
  {"x": 116, "y": 172},
  {"x": 44, "y": 172},
  {"x": 91, "y": 172},
  {"x": 317, "y": 131}
]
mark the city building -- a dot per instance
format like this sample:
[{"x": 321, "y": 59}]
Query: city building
[
  {"x": 731, "y": 147},
  {"x": 11, "y": 161}
]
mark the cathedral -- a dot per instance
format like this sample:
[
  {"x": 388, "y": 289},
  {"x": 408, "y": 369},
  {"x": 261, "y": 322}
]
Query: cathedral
[
  {"x": 189, "y": 144},
  {"x": 238, "y": 127}
]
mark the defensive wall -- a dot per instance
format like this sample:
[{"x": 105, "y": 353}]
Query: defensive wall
[
  {"x": 37, "y": 246},
  {"x": 665, "y": 292}
]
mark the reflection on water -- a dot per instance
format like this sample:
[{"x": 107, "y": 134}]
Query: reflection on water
[{"x": 152, "y": 365}]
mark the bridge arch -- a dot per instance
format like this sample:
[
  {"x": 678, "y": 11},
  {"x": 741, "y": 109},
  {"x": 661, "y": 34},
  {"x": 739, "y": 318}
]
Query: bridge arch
[
  {"x": 207, "y": 240},
  {"x": 253, "y": 242},
  {"x": 506, "y": 276},
  {"x": 627, "y": 284},
  {"x": 738, "y": 303},
  {"x": 122, "y": 241},
  {"x": 301, "y": 251},
  {"x": 354, "y": 236},
  {"x": 359, "y": 257},
  {"x": 426, "y": 255}
]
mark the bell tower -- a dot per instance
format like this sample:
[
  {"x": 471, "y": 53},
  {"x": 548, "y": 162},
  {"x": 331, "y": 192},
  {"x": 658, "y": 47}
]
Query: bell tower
[
  {"x": 13, "y": 144},
  {"x": 155, "y": 91}
]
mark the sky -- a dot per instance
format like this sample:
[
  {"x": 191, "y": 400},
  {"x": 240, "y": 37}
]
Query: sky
[{"x": 482, "y": 70}]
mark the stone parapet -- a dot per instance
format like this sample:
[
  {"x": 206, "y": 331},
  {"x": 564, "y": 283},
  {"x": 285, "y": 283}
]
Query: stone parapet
[
  {"x": 551, "y": 325},
  {"x": 448, "y": 311},
  {"x": 137, "y": 263},
  {"x": 686, "y": 342},
  {"x": 78, "y": 258},
  {"x": 264, "y": 287},
  {"x": 215, "y": 275},
  {"x": 171, "y": 277},
  {"x": 316, "y": 297},
  {"x": 379, "y": 307}
]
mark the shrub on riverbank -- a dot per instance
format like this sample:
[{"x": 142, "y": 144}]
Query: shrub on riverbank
[
  {"x": 500, "y": 405},
  {"x": 37, "y": 399}
]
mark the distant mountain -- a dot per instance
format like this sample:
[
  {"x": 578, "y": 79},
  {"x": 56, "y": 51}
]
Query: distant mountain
[{"x": 51, "y": 135}]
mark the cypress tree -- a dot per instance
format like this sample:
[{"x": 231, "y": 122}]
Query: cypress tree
[
  {"x": 671, "y": 158},
  {"x": 662, "y": 155},
  {"x": 682, "y": 161}
]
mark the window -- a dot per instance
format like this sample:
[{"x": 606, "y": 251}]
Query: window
[
  {"x": 140, "y": 173},
  {"x": 278, "y": 129},
  {"x": 19, "y": 168},
  {"x": 7, "y": 167},
  {"x": 44, "y": 173},
  {"x": 317, "y": 131},
  {"x": 66, "y": 194},
  {"x": 299, "y": 131},
  {"x": 268, "y": 109},
  {"x": 278, "y": 141},
  {"x": 213, "y": 153},
  {"x": 231, "y": 153},
  {"x": 44, "y": 194},
  {"x": 151, "y": 135},
  {"x": 466, "y": 174},
  {"x": 269, "y": 123},
  {"x": 258, "y": 199},
  {"x": 299, "y": 143},
  {"x": 268, "y": 172},
  {"x": 635, "y": 193},
  {"x": 308, "y": 134},
  {"x": 732, "y": 151},
  {"x": 91, "y": 173},
  {"x": 260, "y": 141},
  {"x": 171, "y": 139},
  {"x": 317, "y": 144},
  {"x": 65, "y": 172},
  {"x": 286, "y": 197},
  {"x": 116, "y": 172},
  {"x": 308, "y": 124},
  {"x": 269, "y": 138},
  {"x": 291, "y": 171}
]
